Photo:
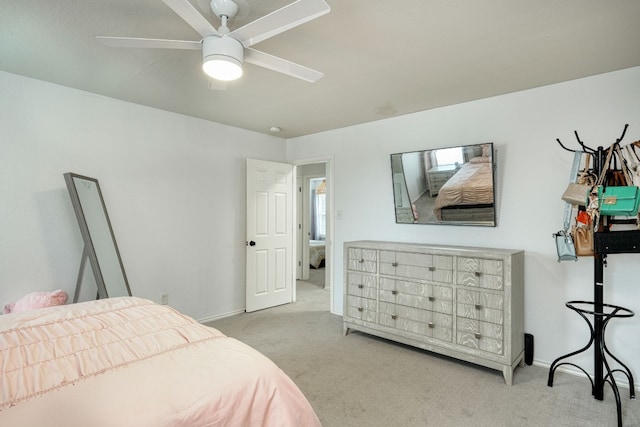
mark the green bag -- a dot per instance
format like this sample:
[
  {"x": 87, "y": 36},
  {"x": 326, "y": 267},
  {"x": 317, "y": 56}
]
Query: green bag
[{"x": 619, "y": 200}]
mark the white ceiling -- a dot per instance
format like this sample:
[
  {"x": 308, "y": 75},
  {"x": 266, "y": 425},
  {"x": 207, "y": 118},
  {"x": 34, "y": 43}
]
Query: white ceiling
[{"x": 381, "y": 58}]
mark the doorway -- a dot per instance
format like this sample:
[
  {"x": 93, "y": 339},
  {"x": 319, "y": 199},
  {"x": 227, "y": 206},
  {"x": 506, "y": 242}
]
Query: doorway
[
  {"x": 314, "y": 229},
  {"x": 314, "y": 225}
]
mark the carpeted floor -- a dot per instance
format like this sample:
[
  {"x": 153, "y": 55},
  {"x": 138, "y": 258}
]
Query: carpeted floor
[
  {"x": 359, "y": 380},
  {"x": 316, "y": 276}
]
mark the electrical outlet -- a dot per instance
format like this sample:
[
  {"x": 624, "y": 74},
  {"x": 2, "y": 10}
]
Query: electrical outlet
[{"x": 164, "y": 299}]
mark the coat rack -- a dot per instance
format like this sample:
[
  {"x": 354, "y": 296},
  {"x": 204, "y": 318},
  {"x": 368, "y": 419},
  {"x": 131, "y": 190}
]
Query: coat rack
[{"x": 606, "y": 242}]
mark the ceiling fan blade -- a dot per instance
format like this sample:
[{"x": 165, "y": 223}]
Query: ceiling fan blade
[
  {"x": 149, "y": 43},
  {"x": 191, "y": 16},
  {"x": 280, "y": 65},
  {"x": 276, "y": 22}
]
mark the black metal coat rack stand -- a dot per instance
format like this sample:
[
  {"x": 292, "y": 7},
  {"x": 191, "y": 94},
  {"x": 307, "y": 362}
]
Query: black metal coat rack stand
[{"x": 606, "y": 242}]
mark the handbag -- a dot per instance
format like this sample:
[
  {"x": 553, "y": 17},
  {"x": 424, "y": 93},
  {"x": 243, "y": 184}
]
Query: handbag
[
  {"x": 633, "y": 162},
  {"x": 619, "y": 201},
  {"x": 583, "y": 217},
  {"x": 615, "y": 176},
  {"x": 577, "y": 194},
  {"x": 564, "y": 246},
  {"x": 583, "y": 240}
]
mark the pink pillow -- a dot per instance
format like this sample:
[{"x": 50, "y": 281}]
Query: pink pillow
[{"x": 37, "y": 300}]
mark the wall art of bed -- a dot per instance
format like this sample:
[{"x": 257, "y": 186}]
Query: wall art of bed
[{"x": 448, "y": 186}]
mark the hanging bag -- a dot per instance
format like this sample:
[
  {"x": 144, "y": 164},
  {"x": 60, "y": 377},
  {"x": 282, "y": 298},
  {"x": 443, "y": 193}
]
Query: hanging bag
[
  {"x": 622, "y": 200},
  {"x": 615, "y": 176},
  {"x": 564, "y": 246},
  {"x": 593, "y": 205},
  {"x": 577, "y": 193},
  {"x": 583, "y": 240},
  {"x": 619, "y": 201},
  {"x": 633, "y": 162}
]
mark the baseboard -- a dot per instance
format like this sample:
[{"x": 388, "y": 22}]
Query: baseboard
[{"x": 219, "y": 316}]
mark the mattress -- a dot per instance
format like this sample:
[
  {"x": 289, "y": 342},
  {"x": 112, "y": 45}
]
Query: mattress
[
  {"x": 316, "y": 252},
  {"x": 130, "y": 362}
]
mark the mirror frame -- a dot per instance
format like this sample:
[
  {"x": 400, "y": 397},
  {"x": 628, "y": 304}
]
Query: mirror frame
[
  {"x": 407, "y": 211},
  {"x": 81, "y": 207}
]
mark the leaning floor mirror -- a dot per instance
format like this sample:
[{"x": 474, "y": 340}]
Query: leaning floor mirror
[{"x": 100, "y": 246}]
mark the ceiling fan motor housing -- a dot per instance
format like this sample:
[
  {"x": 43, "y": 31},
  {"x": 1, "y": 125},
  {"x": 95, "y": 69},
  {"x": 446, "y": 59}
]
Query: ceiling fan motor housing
[
  {"x": 221, "y": 8},
  {"x": 222, "y": 51}
]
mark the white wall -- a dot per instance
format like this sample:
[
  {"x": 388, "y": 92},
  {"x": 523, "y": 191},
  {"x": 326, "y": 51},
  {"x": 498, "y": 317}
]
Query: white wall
[
  {"x": 174, "y": 187},
  {"x": 532, "y": 174}
]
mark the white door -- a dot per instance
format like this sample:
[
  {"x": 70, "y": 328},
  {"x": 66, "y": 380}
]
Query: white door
[{"x": 269, "y": 234}]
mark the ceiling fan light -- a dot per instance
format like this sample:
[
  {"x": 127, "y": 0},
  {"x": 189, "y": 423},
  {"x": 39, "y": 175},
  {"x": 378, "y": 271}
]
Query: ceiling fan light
[
  {"x": 222, "y": 57},
  {"x": 222, "y": 68}
]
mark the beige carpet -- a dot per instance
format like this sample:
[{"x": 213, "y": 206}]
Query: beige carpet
[
  {"x": 359, "y": 380},
  {"x": 316, "y": 276}
]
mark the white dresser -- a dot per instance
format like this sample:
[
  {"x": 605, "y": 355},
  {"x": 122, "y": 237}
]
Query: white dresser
[{"x": 463, "y": 302}]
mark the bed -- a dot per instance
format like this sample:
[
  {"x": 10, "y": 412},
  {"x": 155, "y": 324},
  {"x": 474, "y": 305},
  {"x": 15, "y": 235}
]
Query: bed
[
  {"x": 467, "y": 195},
  {"x": 130, "y": 362},
  {"x": 316, "y": 253}
]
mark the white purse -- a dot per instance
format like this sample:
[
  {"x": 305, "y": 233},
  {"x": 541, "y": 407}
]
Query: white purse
[{"x": 633, "y": 162}]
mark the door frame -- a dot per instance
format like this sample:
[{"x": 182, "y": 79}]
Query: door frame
[{"x": 329, "y": 249}]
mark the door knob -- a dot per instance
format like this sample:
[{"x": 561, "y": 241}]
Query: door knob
[{"x": 251, "y": 243}]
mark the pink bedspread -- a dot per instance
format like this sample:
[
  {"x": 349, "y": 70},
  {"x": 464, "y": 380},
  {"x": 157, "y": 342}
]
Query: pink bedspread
[{"x": 131, "y": 362}]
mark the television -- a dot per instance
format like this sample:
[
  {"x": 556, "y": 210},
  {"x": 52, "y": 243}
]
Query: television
[{"x": 445, "y": 186}]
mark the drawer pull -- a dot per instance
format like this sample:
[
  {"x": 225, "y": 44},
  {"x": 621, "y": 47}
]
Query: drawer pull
[
  {"x": 478, "y": 273},
  {"x": 394, "y": 316},
  {"x": 477, "y": 335},
  {"x": 360, "y": 286},
  {"x": 431, "y": 325},
  {"x": 394, "y": 264},
  {"x": 360, "y": 309},
  {"x": 361, "y": 260},
  {"x": 478, "y": 306},
  {"x": 394, "y": 292},
  {"x": 432, "y": 298},
  {"x": 432, "y": 268}
]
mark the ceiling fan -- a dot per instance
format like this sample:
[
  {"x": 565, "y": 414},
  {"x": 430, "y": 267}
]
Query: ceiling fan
[{"x": 224, "y": 51}]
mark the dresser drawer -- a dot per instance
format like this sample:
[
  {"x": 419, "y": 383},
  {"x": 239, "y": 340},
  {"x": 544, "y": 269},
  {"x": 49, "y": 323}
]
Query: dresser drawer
[
  {"x": 481, "y": 329},
  {"x": 418, "y": 295},
  {"x": 436, "y": 268},
  {"x": 439, "y": 178},
  {"x": 362, "y": 260},
  {"x": 362, "y": 308},
  {"x": 362, "y": 285},
  {"x": 480, "y": 306},
  {"x": 479, "y": 273},
  {"x": 422, "y": 322},
  {"x": 480, "y": 335}
]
